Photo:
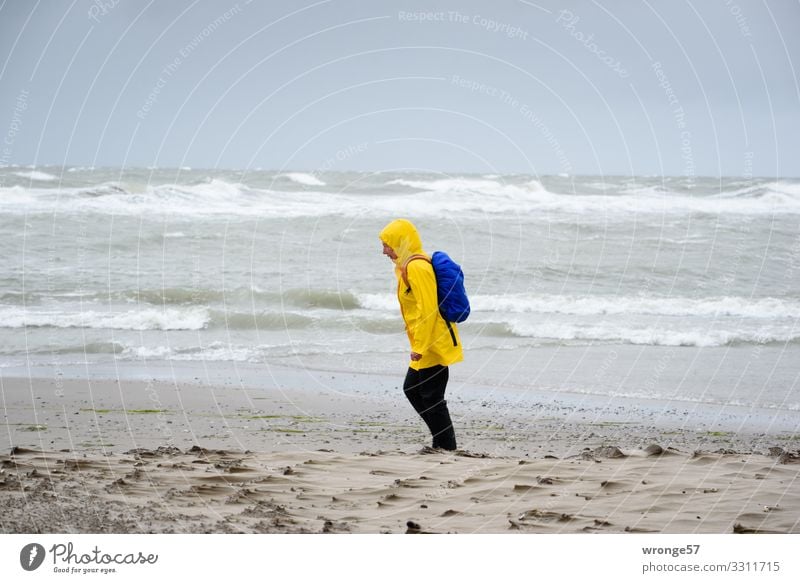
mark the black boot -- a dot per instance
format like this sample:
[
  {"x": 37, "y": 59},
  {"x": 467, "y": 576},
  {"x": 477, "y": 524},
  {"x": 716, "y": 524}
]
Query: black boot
[{"x": 441, "y": 426}]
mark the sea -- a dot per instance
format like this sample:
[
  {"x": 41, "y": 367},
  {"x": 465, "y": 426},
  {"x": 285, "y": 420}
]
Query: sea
[{"x": 668, "y": 289}]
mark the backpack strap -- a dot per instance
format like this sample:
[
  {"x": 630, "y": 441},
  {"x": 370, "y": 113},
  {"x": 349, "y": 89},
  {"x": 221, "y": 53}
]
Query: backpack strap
[
  {"x": 404, "y": 268},
  {"x": 404, "y": 274}
]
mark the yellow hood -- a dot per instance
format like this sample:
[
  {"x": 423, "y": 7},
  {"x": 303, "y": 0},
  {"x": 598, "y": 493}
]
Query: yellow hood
[{"x": 401, "y": 235}]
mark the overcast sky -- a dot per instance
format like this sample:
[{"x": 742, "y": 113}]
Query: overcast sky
[{"x": 610, "y": 87}]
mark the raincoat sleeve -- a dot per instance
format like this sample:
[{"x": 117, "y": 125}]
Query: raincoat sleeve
[{"x": 423, "y": 282}]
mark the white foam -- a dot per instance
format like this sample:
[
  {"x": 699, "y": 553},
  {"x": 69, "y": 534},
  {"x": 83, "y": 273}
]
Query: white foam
[
  {"x": 37, "y": 175},
  {"x": 701, "y": 337},
  {"x": 710, "y": 307},
  {"x": 767, "y": 308},
  {"x": 303, "y": 178},
  {"x": 378, "y": 302},
  {"x": 472, "y": 197},
  {"x": 781, "y": 186},
  {"x": 219, "y": 351},
  {"x": 190, "y": 318},
  {"x": 216, "y": 351},
  {"x": 480, "y": 186}
]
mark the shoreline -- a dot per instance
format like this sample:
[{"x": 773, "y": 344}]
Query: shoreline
[
  {"x": 529, "y": 411},
  {"x": 101, "y": 415}
]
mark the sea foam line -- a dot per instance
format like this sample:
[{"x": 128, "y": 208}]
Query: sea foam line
[{"x": 471, "y": 196}]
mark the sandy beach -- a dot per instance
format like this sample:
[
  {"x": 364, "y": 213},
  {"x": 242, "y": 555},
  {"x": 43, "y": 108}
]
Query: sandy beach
[{"x": 153, "y": 456}]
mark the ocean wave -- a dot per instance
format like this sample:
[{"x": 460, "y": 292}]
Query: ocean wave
[
  {"x": 767, "y": 308},
  {"x": 611, "y": 333},
  {"x": 211, "y": 198},
  {"x": 104, "y": 189},
  {"x": 386, "y": 325},
  {"x": 86, "y": 348},
  {"x": 219, "y": 351},
  {"x": 302, "y": 178},
  {"x": 378, "y": 302},
  {"x": 215, "y": 351},
  {"x": 306, "y": 320},
  {"x": 492, "y": 196},
  {"x": 172, "y": 318},
  {"x": 482, "y": 186},
  {"x": 259, "y": 320},
  {"x": 321, "y": 298},
  {"x": 300, "y": 298},
  {"x": 19, "y": 298},
  {"x": 193, "y": 318},
  {"x": 328, "y": 303},
  {"x": 36, "y": 175},
  {"x": 710, "y": 307},
  {"x": 168, "y": 295},
  {"x": 471, "y": 196}
]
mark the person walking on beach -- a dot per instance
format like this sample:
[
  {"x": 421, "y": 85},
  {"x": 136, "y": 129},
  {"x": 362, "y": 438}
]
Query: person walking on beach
[{"x": 435, "y": 343}]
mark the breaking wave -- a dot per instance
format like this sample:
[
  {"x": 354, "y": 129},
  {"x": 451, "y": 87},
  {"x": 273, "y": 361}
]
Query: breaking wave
[{"x": 471, "y": 196}]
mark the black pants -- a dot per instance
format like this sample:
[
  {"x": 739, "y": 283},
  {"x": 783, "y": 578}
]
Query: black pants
[{"x": 425, "y": 389}]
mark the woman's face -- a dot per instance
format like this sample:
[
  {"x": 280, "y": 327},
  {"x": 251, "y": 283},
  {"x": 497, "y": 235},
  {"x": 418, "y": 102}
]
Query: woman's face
[{"x": 389, "y": 252}]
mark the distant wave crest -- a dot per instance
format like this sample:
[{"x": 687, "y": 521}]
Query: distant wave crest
[
  {"x": 304, "y": 195},
  {"x": 303, "y": 178}
]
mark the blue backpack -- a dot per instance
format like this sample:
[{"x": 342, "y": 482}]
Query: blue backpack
[{"x": 453, "y": 301}]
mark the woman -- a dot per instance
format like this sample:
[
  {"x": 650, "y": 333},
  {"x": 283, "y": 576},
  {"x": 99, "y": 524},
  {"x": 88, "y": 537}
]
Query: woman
[{"x": 435, "y": 343}]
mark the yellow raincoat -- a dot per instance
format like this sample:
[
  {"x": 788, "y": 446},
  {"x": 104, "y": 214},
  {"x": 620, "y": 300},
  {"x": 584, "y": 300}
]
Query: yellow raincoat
[{"x": 427, "y": 331}]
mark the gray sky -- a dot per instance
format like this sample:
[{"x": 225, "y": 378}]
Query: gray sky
[{"x": 611, "y": 87}]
